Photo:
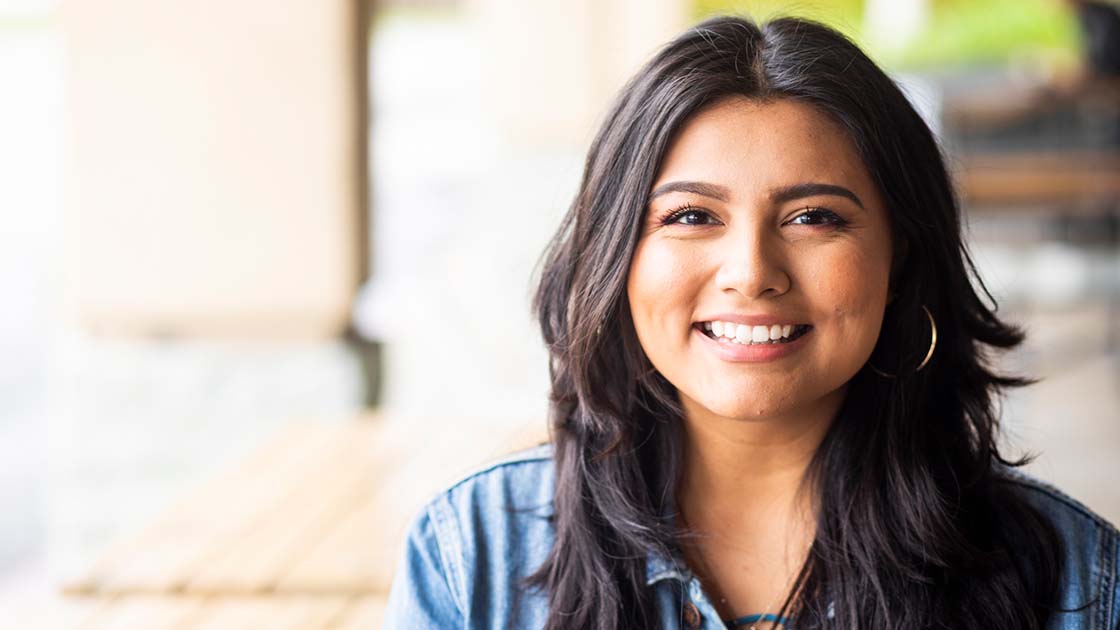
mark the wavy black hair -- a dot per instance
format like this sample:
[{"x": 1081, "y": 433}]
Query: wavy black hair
[{"x": 916, "y": 527}]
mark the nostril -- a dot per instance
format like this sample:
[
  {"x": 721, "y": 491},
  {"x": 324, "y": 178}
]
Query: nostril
[{"x": 756, "y": 284}]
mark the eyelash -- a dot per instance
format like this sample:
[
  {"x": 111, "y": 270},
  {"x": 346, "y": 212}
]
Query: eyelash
[
  {"x": 671, "y": 217},
  {"x": 831, "y": 217}
]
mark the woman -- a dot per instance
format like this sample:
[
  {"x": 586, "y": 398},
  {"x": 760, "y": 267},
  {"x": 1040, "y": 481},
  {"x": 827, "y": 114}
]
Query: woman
[{"x": 771, "y": 404}]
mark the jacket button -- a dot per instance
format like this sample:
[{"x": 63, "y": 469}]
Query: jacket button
[{"x": 691, "y": 616}]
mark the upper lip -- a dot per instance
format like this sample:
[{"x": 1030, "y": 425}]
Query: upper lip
[{"x": 752, "y": 320}]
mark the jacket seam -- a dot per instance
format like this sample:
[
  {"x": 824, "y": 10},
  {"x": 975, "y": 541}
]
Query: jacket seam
[
  {"x": 1108, "y": 578},
  {"x": 450, "y": 550},
  {"x": 1061, "y": 497},
  {"x": 1099, "y": 571},
  {"x": 1102, "y": 571}
]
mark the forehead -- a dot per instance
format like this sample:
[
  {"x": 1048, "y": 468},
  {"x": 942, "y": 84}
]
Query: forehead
[{"x": 751, "y": 146}]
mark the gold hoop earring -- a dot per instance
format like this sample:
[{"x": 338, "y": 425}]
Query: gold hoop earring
[{"x": 929, "y": 353}]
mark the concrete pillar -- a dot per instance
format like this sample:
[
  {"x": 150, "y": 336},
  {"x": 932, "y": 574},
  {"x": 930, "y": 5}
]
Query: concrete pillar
[
  {"x": 552, "y": 66},
  {"x": 215, "y": 182}
]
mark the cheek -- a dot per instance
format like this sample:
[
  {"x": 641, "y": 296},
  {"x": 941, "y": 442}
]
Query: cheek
[
  {"x": 660, "y": 278},
  {"x": 660, "y": 289},
  {"x": 853, "y": 287}
]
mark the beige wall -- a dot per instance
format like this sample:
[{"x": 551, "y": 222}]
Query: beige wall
[
  {"x": 552, "y": 66},
  {"x": 215, "y": 180}
]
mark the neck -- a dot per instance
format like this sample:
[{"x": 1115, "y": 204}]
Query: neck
[{"x": 742, "y": 476}]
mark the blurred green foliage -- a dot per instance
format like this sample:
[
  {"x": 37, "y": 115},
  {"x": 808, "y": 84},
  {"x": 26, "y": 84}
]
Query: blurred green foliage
[
  {"x": 843, "y": 15},
  {"x": 957, "y": 33},
  {"x": 994, "y": 31},
  {"x": 22, "y": 23}
]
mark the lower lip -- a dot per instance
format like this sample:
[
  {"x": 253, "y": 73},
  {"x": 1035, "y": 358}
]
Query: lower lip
[{"x": 754, "y": 353}]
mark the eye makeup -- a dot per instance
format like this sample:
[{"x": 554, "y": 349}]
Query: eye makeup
[
  {"x": 819, "y": 216},
  {"x": 673, "y": 216},
  {"x": 808, "y": 216}
]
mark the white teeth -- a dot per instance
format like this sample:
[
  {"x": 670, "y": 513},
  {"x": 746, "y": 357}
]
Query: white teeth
[{"x": 741, "y": 333}]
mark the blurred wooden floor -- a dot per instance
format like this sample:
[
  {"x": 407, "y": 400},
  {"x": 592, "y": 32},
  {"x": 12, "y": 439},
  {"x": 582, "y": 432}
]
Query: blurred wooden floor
[
  {"x": 303, "y": 534},
  {"x": 167, "y": 612}
]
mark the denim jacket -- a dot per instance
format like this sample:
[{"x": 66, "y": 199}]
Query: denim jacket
[{"x": 469, "y": 547}]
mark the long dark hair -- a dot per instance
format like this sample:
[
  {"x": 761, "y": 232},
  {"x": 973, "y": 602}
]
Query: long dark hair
[{"x": 915, "y": 528}]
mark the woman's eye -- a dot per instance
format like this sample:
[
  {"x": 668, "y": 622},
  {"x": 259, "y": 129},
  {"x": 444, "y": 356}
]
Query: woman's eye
[
  {"x": 689, "y": 216},
  {"x": 817, "y": 216}
]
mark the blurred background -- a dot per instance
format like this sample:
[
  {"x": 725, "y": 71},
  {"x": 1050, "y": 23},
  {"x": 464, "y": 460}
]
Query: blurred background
[{"x": 249, "y": 248}]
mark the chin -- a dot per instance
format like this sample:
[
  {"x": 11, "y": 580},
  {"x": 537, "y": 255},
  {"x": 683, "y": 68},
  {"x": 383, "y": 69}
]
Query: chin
[
  {"x": 745, "y": 410},
  {"x": 752, "y": 413}
]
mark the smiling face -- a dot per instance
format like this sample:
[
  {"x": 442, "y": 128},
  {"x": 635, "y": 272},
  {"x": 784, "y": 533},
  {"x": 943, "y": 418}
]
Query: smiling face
[{"x": 762, "y": 215}]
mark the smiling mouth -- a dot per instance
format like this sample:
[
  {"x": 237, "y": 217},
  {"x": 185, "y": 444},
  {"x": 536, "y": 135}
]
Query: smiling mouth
[{"x": 741, "y": 334}]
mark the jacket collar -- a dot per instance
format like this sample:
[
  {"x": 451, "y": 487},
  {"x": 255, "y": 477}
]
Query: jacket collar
[{"x": 659, "y": 567}]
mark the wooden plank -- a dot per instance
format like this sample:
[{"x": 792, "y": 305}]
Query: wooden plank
[
  {"x": 1054, "y": 178},
  {"x": 319, "y": 510},
  {"x": 357, "y": 555},
  {"x": 252, "y": 557},
  {"x": 172, "y": 554},
  {"x": 176, "y": 612},
  {"x": 364, "y": 613},
  {"x": 274, "y": 613},
  {"x": 159, "y": 558},
  {"x": 181, "y": 612},
  {"x": 357, "y": 552},
  {"x": 142, "y": 612},
  {"x": 48, "y": 611}
]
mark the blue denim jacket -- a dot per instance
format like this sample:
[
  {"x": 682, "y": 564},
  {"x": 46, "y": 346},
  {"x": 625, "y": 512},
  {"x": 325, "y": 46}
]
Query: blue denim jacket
[{"x": 467, "y": 550}]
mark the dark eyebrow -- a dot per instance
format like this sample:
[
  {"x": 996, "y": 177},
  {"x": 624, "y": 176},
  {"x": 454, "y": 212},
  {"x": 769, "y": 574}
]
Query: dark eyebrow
[
  {"x": 714, "y": 191},
  {"x": 811, "y": 189}
]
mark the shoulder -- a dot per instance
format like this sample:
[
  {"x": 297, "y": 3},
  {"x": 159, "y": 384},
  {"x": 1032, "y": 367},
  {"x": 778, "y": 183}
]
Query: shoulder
[
  {"x": 523, "y": 478},
  {"x": 504, "y": 506},
  {"x": 1077, "y": 525},
  {"x": 472, "y": 544},
  {"x": 504, "y": 496},
  {"x": 1090, "y": 549}
]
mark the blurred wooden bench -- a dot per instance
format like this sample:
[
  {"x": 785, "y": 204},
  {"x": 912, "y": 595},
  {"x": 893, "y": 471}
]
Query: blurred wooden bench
[
  {"x": 1056, "y": 185},
  {"x": 305, "y": 533},
  {"x": 1052, "y": 182}
]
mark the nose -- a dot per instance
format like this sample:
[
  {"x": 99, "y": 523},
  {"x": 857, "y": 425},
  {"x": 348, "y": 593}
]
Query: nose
[{"x": 752, "y": 265}]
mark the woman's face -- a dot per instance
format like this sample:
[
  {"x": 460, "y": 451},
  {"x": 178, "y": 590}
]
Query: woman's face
[{"x": 760, "y": 279}]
